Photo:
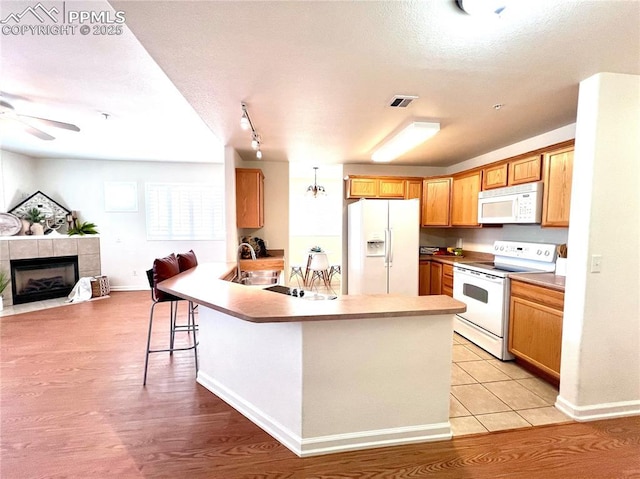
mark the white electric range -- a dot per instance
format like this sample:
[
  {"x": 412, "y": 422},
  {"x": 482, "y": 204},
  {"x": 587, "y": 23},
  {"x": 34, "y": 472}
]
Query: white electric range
[{"x": 484, "y": 287}]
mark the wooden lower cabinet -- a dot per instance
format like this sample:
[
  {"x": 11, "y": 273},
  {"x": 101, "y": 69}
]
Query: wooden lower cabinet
[
  {"x": 436, "y": 277},
  {"x": 535, "y": 327},
  {"x": 424, "y": 281},
  {"x": 447, "y": 279}
]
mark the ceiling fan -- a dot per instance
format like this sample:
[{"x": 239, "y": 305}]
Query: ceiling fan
[{"x": 8, "y": 112}]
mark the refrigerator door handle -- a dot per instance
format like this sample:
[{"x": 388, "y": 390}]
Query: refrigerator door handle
[
  {"x": 390, "y": 257},
  {"x": 386, "y": 248}
]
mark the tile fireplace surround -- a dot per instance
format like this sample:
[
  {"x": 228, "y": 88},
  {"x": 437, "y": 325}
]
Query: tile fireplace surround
[{"x": 87, "y": 248}]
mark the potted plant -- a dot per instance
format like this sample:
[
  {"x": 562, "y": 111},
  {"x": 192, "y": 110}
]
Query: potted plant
[
  {"x": 34, "y": 215},
  {"x": 82, "y": 229},
  {"x": 4, "y": 282}
]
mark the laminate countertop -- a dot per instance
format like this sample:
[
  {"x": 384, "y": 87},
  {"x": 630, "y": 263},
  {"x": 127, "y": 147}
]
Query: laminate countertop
[
  {"x": 250, "y": 303},
  {"x": 546, "y": 280}
]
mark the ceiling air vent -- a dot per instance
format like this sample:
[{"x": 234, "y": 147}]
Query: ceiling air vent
[{"x": 402, "y": 101}]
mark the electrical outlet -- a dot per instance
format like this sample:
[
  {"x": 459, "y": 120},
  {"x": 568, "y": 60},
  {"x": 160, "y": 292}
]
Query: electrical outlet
[
  {"x": 135, "y": 272},
  {"x": 596, "y": 263}
]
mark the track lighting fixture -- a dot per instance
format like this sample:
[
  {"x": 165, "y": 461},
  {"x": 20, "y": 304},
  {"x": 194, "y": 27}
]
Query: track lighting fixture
[{"x": 246, "y": 124}]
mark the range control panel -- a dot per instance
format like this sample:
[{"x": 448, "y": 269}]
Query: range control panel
[{"x": 532, "y": 251}]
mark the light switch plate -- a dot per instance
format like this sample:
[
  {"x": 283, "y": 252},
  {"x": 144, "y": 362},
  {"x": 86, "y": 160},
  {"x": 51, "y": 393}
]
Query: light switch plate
[{"x": 596, "y": 263}]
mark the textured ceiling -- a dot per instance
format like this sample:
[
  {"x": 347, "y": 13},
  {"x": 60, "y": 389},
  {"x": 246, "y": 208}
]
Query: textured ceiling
[{"x": 317, "y": 76}]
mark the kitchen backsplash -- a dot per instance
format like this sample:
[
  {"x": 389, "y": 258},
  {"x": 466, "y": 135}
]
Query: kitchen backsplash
[{"x": 482, "y": 239}]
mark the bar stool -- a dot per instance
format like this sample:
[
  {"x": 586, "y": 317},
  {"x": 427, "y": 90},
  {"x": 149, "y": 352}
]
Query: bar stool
[
  {"x": 296, "y": 271},
  {"x": 333, "y": 270},
  {"x": 319, "y": 268},
  {"x": 165, "y": 268},
  {"x": 187, "y": 261}
]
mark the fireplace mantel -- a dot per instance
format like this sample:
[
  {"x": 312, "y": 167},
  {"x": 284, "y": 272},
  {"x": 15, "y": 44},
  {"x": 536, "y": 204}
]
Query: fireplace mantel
[{"x": 87, "y": 248}]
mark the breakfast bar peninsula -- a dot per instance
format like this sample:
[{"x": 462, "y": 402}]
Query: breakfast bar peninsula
[{"x": 326, "y": 376}]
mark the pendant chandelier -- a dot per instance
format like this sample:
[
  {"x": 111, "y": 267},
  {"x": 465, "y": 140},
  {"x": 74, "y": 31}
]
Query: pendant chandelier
[{"x": 315, "y": 189}]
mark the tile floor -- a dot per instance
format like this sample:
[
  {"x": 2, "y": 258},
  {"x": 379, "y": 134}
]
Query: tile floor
[{"x": 491, "y": 395}]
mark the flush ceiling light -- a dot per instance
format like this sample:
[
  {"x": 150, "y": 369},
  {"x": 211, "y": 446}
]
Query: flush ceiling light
[
  {"x": 315, "y": 189},
  {"x": 482, "y": 7},
  {"x": 407, "y": 139},
  {"x": 247, "y": 124}
]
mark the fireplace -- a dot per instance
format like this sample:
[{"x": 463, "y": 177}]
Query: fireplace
[{"x": 36, "y": 279}]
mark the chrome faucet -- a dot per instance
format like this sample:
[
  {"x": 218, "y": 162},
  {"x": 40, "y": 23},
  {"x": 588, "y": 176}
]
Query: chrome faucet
[{"x": 253, "y": 256}]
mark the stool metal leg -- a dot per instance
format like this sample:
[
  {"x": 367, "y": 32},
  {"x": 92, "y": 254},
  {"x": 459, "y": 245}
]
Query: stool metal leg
[
  {"x": 146, "y": 360},
  {"x": 191, "y": 327}
]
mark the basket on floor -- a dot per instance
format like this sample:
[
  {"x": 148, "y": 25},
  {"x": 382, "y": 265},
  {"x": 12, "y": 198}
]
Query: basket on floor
[{"x": 100, "y": 286}]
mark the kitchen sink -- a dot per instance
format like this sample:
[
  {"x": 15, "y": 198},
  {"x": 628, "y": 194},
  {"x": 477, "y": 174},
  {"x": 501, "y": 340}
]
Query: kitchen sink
[{"x": 258, "y": 277}]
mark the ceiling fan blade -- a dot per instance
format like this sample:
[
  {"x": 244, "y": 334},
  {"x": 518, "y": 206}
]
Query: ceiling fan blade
[
  {"x": 35, "y": 132},
  {"x": 57, "y": 124}
]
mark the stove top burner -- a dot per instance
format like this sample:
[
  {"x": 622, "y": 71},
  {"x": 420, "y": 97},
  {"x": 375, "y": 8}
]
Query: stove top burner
[{"x": 299, "y": 293}]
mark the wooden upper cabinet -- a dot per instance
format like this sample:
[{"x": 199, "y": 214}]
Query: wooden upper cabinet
[
  {"x": 412, "y": 189},
  {"x": 464, "y": 198},
  {"x": 525, "y": 170},
  {"x": 436, "y": 202},
  {"x": 249, "y": 198},
  {"x": 512, "y": 172},
  {"x": 391, "y": 188},
  {"x": 495, "y": 176},
  {"x": 362, "y": 187},
  {"x": 558, "y": 172}
]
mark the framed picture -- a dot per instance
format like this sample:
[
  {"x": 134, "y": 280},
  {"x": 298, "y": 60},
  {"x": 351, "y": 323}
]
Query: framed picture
[{"x": 48, "y": 207}]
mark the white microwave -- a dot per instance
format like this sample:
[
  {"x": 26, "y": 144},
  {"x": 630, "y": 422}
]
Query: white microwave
[{"x": 514, "y": 204}]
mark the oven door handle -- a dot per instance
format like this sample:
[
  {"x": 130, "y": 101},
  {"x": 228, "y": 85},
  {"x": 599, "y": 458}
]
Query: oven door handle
[{"x": 476, "y": 274}]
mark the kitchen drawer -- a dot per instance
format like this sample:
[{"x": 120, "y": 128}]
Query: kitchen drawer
[
  {"x": 545, "y": 296},
  {"x": 447, "y": 279}
]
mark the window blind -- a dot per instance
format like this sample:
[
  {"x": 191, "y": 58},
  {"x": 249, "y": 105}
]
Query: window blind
[{"x": 177, "y": 211}]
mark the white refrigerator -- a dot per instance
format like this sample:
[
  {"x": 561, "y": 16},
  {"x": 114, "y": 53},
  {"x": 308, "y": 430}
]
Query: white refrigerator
[{"x": 383, "y": 246}]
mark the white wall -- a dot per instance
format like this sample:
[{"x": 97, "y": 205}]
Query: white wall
[
  {"x": 600, "y": 367},
  {"x": 16, "y": 178},
  {"x": 78, "y": 185},
  {"x": 231, "y": 159}
]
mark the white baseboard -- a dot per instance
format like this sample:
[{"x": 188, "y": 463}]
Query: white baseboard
[
  {"x": 129, "y": 288},
  {"x": 598, "y": 411},
  {"x": 326, "y": 444}
]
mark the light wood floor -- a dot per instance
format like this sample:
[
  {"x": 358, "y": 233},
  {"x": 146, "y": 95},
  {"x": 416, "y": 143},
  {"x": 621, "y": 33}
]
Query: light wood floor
[{"x": 72, "y": 405}]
